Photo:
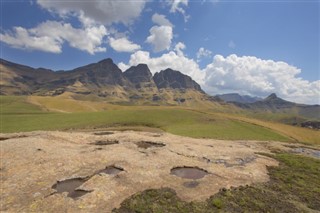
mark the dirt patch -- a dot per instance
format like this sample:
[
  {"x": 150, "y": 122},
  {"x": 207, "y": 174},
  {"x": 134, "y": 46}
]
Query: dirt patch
[
  {"x": 189, "y": 172},
  {"x": 149, "y": 144}
]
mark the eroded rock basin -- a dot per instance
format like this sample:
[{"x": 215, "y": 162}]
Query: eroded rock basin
[
  {"x": 71, "y": 187},
  {"x": 194, "y": 168},
  {"x": 189, "y": 172},
  {"x": 103, "y": 133},
  {"x": 105, "y": 142},
  {"x": 149, "y": 144},
  {"x": 111, "y": 170}
]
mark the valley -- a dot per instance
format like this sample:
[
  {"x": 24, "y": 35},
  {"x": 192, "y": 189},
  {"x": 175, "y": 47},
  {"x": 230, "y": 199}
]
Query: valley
[{"x": 98, "y": 138}]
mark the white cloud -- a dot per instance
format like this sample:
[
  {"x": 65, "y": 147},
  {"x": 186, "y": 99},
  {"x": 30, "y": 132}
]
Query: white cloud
[
  {"x": 103, "y": 12},
  {"x": 177, "y": 6},
  {"x": 254, "y": 76},
  {"x": 161, "y": 20},
  {"x": 202, "y": 52},
  {"x": 246, "y": 75},
  {"x": 49, "y": 37},
  {"x": 22, "y": 39},
  {"x": 172, "y": 59},
  {"x": 123, "y": 45},
  {"x": 231, "y": 44},
  {"x": 160, "y": 37},
  {"x": 123, "y": 66}
]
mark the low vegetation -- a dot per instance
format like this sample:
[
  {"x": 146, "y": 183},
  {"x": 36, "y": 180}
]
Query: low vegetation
[
  {"x": 293, "y": 187},
  {"x": 19, "y": 113},
  {"x": 173, "y": 120}
]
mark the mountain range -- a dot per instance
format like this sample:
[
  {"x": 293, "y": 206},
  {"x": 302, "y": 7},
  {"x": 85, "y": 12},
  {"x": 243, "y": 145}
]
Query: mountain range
[
  {"x": 103, "y": 79},
  {"x": 274, "y": 104},
  {"x": 137, "y": 86},
  {"x": 235, "y": 97}
]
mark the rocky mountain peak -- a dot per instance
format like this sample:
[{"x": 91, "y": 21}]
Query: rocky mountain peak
[
  {"x": 138, "y": 74},
  {"x": 174, "y": 79},
  {"x": 106, "y": 61},
  {"x": 272, "y": 96}
]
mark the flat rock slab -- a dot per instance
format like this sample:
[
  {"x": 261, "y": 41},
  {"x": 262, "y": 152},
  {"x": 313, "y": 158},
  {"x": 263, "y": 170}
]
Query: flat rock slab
[{"x": 32, "y": 164}]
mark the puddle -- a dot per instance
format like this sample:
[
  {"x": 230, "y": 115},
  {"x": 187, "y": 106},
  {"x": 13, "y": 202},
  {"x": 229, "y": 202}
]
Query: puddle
[
  {"x": 78, "y": 193},
  {"x": 103, "y": 133},
  {"x": 148, "y": 144},
  {"x": 107, "y": 142},
  {"x": 70, "y": 186},
  {"x": 111, "y": 170},
  {"x": 189, "y": 172},
  {"x": 191, "y": 184}
]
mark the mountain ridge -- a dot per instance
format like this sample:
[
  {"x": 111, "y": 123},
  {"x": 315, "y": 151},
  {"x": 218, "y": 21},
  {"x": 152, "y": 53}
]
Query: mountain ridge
[
  {"x": 236, "y": 97},
  {"x": 274, "y": 104},
  {"x": 103, "y": 79}
]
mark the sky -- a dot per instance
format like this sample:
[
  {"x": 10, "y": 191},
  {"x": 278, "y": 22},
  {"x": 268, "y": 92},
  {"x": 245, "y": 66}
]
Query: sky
[{"x": 249, "y": 47}]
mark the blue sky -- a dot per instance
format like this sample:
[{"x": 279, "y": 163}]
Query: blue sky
[{"x": 249, "y": 47}]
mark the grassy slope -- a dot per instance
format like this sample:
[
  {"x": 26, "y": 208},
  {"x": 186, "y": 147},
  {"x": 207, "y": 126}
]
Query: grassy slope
[
  {"x": 17, "y": 105},
  {"x": 173, "y": 120},
  {"x": 293, "y": 187},
  {"x": 296, "y": 133},
  {"x": 16, "y": 116}
]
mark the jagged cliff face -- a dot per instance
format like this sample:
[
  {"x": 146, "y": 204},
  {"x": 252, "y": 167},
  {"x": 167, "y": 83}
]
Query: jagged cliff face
[
  {"x": 174, "y": 79},
  {"x": 103, "y": 79},
  {"x": 138, "y": 74}
]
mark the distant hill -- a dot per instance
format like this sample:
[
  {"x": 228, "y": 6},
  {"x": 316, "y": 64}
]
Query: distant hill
[
  {"x": 274, "y": 104},
  {"x": 105, "y": 80},
  {"x": 235, "y": 97}
]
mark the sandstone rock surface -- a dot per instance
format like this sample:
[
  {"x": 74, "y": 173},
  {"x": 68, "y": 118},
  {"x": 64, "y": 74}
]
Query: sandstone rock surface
[{"x": 31, "y": 163}]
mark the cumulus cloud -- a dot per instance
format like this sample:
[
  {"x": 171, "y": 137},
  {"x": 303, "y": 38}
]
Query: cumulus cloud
[
  {"x": 21, "y": 38},
  {"x": 258, "y": 77},
  {"x": 103, "y": 12},
  {"x": 202, "y": 52},
  {"x": 172, "y": 59},
  {"x": 123, "y": 45},
  {"x": 245, "y": 75},
  {"x": 161, "y": 20},
  {"x": 49, "y": 37},
  {"x": 160, "y": 35}
]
